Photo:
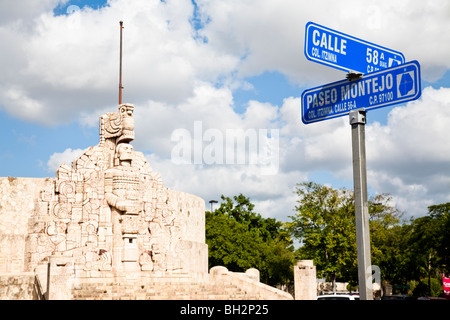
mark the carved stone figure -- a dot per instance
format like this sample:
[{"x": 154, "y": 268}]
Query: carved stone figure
[{"x": 111, "y": 212}]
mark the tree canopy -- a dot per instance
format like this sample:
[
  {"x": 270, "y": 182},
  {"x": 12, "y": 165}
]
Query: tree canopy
[
  {"x": 239, "y": 238},
  {"x": 414, "y": 252},
  {"x": 324, "y": 224},
  {"x": 405, "y": 251}
]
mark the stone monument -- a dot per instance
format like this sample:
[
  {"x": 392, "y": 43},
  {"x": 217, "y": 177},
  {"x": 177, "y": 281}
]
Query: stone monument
[
  {"x": 107, "y": 228},
  {"x": 112, "y": 214}
]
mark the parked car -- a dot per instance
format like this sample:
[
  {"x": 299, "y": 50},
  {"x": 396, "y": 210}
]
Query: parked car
[
  {"x": 431, "y": 298},
  {"x": 396, "y": 297},
  {"x": 338, "y": 297}
]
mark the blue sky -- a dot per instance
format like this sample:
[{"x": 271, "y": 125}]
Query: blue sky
[
  {"x": 67, "y": 7},
  {"x": 229, "y": 64}
]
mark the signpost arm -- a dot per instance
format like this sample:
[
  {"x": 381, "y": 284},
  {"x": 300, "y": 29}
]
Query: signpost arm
[{"x": 358, "y": 121}]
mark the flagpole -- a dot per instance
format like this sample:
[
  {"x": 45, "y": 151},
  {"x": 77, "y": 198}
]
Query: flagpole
[{"x": 120, "y": 65}]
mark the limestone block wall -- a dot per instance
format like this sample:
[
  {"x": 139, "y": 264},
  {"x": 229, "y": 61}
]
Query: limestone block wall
[
  {"x": 18, "y": 286},
  {"x": 191, "y": 209},
  {"x": 18, "y": 200},
  {"x": 25, "y": 223}
]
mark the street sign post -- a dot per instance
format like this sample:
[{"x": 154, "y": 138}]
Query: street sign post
[
  {"x": 376, "y": 90},
  {"x": 358, "y": 123},
  {"x": 388, "y": 80},
  {"x": 344, "y": 52}
]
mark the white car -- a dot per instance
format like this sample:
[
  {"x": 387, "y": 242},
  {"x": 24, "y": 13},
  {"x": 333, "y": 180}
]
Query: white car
[{"x": 338, "y": 297}]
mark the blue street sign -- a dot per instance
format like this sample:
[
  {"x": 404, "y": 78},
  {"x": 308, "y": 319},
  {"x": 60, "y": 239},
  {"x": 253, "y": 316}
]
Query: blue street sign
[
  {"x": 376, "y": 90},
  {"x": 344, "y": 52}
]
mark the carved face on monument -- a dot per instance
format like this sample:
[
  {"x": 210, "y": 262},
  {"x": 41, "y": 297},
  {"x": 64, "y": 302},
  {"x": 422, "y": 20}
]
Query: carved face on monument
[{"x": 125, "y": 152}]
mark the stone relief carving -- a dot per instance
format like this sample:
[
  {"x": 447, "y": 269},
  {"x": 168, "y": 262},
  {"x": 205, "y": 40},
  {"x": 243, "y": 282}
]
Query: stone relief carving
[{"x": 109, "y": 210}]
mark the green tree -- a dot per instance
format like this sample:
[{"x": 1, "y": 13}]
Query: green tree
[
  {"x": 430, "y": 243},
  {"x": 325, "y": 224},
  {"x": 415, "y": 252},
  {"x": 239, "y": 238},
  {"x": 388, "y": 240},
  {"x": 431, "y": 287},
  {"x": 441, "y": 213},
  {"x": 393, "y": 254}
]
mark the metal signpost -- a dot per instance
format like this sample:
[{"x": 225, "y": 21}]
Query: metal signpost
[
  {"x": 388, "y": 80},
  {"x": 358, "y": 123},
  {"x": 344, "y": 52}
]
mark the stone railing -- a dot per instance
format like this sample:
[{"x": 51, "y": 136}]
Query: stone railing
[{"x": 249, "y": 283}]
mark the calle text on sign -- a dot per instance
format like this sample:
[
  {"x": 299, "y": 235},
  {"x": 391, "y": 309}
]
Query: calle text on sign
[{"x": 344, "y": 52}]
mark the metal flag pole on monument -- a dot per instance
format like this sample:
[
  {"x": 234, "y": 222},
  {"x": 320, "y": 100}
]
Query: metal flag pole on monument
[
  {"x": 382, "y": 79},
  {"x": 120, "y": 64}
]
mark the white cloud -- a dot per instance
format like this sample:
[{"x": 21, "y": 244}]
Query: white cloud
[
  {"x": 24, "y": 10},
  {"x": 272, "y": 194},
  {"x": 155, "y": 121},
  {"x": 410, "y": 156},
  {"x": 64, "y": 66},
  {"x": 58, "y": 69},
  {"x": 269, "y": 35},
  {"x": 67, "y": 156},
  {"x": 416, "y": 131}
]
